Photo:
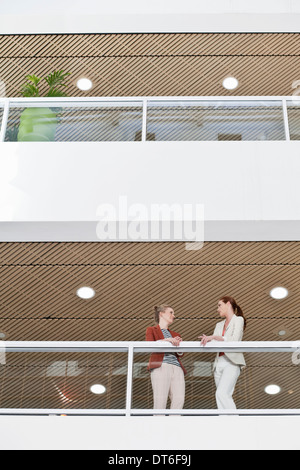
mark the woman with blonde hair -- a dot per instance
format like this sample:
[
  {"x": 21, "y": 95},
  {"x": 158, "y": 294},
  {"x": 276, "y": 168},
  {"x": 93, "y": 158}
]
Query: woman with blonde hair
[
  {"x": 167, "y": 371},
  {"x": 227, "y": 366}
]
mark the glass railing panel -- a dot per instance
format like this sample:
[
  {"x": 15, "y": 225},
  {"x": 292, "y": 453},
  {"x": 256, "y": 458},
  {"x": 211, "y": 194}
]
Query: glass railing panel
[
  {"x": 53, "y": 380},
  {"x": 1, "y": 114},
  {"x": 293, "y": 110},
  {"x": 75, "y": 122},
  {"x": 263, "y": 369},
  {"x": 199, "y": 385},
  {"x": 142, "y": 396},
  {"x": 215, "y": 120}
]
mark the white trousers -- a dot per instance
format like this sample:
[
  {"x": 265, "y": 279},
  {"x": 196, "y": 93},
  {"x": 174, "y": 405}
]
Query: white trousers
[
  {"x": 226, "y": 375},
  {"x": 168, "y": 381}
]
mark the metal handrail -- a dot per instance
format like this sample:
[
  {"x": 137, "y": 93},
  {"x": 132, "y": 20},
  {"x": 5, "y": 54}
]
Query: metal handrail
[
  {"x": 153, "y": 98},
  {"x": 149, "y": 346}
]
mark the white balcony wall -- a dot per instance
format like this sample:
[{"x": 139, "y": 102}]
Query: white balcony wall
[
  {"x": 172, "y": 434},
  {"x": 250, "y": 190}
]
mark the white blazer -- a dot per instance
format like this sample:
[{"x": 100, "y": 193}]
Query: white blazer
[{"x": 234, "y": 332}]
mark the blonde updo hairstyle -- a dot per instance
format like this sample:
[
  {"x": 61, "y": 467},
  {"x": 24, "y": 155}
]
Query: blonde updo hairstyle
[{"x": 158, "y": 309}]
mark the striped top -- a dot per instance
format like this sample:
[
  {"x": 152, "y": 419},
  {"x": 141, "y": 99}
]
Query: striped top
[{"x": 169, "y": 358}]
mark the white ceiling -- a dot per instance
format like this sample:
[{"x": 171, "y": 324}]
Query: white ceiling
[
  {"x": 132, "y": 7},
  {"x": 92, "y": 16},
  {"x": 33, "y": 7}
]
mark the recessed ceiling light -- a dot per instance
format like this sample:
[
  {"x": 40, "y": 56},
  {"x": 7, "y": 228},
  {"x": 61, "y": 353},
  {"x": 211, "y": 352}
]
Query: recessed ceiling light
[
  {"x": 84, "y": 84},
  {"x": 85, "y": 292},
  {"x": 98, "y": 389},
  {"x": 272, "y": 389},
  {"x": 230, "y": 83},
  {"x": 281, "y": 332},
  {"x": 279, "y": 293}
]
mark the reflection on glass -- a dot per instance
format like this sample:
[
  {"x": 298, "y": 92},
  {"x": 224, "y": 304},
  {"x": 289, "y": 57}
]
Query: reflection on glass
[
  {"x": 293, "y": 110},
  {"x": 262, "y": 370},
  {"x": 166, "y": 121},
  {"x": 55, "y": 380},
  {"x": 63, "y": 380},
  {"x": 1, "y": 114},
  {"x": 215, "y": 120},
  {"x": 62, "y": 123}
]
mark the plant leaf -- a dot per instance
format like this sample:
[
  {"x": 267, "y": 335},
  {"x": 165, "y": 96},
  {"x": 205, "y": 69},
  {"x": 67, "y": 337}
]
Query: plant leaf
[
  {"x": 56, "y": 78},
  {"x": 33, "y": 78},
  {"x": 55, "y": 93},
  {"x": 30, "y": 90}
]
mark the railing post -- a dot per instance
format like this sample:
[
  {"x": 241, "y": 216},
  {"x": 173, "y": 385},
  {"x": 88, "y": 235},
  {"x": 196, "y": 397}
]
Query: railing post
[
  {"x": 4, "y": 120},
  {"x": 285, "y": 120},
  {"x": 144, "y": 121},
  {"x": 129, "y": 380}
]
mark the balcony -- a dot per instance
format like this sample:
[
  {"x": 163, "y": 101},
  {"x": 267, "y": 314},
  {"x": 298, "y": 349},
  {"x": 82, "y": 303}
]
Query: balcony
[
  {"x": 55, "y": 378},
  {"x": 141, "y": 119}
]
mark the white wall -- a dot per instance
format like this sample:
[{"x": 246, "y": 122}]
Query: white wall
[
  {"x": 154, "y": 7},
  {"x": 67, "y": 181},
  {"x": 251, "y": 187},
  {"x": 149, "y": 433},
  {"x": 94, "y": 16}
]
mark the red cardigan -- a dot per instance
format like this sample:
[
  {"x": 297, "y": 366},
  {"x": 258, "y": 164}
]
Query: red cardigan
[{"x": 154, "y": 333}]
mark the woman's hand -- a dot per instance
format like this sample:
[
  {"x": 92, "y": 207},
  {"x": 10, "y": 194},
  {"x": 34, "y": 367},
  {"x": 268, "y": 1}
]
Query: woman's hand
[
  {"x": 175, "y": 341},
  {"x": 205, "y": 339}
]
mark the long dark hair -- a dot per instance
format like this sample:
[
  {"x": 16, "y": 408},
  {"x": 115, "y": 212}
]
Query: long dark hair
[{"x": 236, "y": 308}]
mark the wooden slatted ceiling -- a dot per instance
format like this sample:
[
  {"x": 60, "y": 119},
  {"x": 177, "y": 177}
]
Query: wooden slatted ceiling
[
  {"x": 38, "y": 282},
  {"x": 160, "y": 64}
]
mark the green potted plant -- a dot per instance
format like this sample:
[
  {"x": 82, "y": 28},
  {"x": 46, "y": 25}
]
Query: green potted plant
[{"x": 40, "y": 123}]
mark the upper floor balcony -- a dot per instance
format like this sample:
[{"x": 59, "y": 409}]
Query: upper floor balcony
[
  {"x": 98, "y": 395},
  {"x": 96, "y": 149},
  {"x": 150, "y": 119}
]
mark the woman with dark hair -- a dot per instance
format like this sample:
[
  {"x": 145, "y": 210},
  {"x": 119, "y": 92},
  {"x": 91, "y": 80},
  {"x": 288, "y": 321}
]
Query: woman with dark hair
[
  {"x": 167, "y": 371},
  {"x": 227, "y": 366}
]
